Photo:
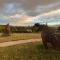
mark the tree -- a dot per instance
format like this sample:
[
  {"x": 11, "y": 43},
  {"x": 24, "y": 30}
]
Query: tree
[
  {"x": 37, "y": 24},
  {"x": 37, "y": 27},
  {"x": 13, "y": 29},
  {"x": 58, "y": 29},
  {"x": 6, "y": 30}
]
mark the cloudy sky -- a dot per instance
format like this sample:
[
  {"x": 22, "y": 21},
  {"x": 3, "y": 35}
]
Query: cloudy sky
[{"x": 28, "y": 12}]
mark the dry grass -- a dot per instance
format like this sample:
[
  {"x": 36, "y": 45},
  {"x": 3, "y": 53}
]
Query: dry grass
[
  {"x": 20, "y": 36},
  {"x": 30, "y": 51}
]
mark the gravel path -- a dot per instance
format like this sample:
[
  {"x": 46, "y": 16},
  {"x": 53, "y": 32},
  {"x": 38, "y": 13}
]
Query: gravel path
[{"x": 5, "y": 44}]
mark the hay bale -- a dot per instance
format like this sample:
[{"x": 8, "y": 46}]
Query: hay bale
[{"x": 48, "y": 37}]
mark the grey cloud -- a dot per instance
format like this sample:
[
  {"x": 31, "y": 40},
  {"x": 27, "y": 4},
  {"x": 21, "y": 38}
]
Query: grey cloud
[
  {"x": 46, "y": 8},
  {"x": 28, "y": 7}
]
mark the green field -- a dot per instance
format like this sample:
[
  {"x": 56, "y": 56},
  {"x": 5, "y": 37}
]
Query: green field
[
  {"x": 20, "y": 36},
  {"x": 30, "y": 51}
]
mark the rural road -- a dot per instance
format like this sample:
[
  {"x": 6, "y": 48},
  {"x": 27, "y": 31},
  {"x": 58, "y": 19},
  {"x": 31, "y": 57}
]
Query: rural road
[{"x": 5, "y": 44}]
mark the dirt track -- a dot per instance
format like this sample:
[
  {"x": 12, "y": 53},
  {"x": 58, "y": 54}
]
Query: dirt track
[{"x": 5, "y": 44}]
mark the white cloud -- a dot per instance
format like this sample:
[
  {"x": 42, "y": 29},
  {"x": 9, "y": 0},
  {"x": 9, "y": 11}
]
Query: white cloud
[
  {"x": 54, "y": 23},
  {"x": 15, "y": 16},
  {"x": 21, "y": 19},
  {"x": 15, "y": 19},
  {"x": 51, "y": 13},
  {"x": 52, "y": 17}
]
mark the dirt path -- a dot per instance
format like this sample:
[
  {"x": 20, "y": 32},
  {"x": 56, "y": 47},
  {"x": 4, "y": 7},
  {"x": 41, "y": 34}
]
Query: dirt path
[{"x": 5, "y": 44}]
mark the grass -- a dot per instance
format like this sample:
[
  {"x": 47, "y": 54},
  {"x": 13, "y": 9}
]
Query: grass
[
  {"x": 30, "y": 51},
  {"x": 20, "y": 36}
]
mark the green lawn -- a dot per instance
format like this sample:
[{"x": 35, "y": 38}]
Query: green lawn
[
  {"x": 30, "y": 51},
  {"x": 20, "y": 36}
]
